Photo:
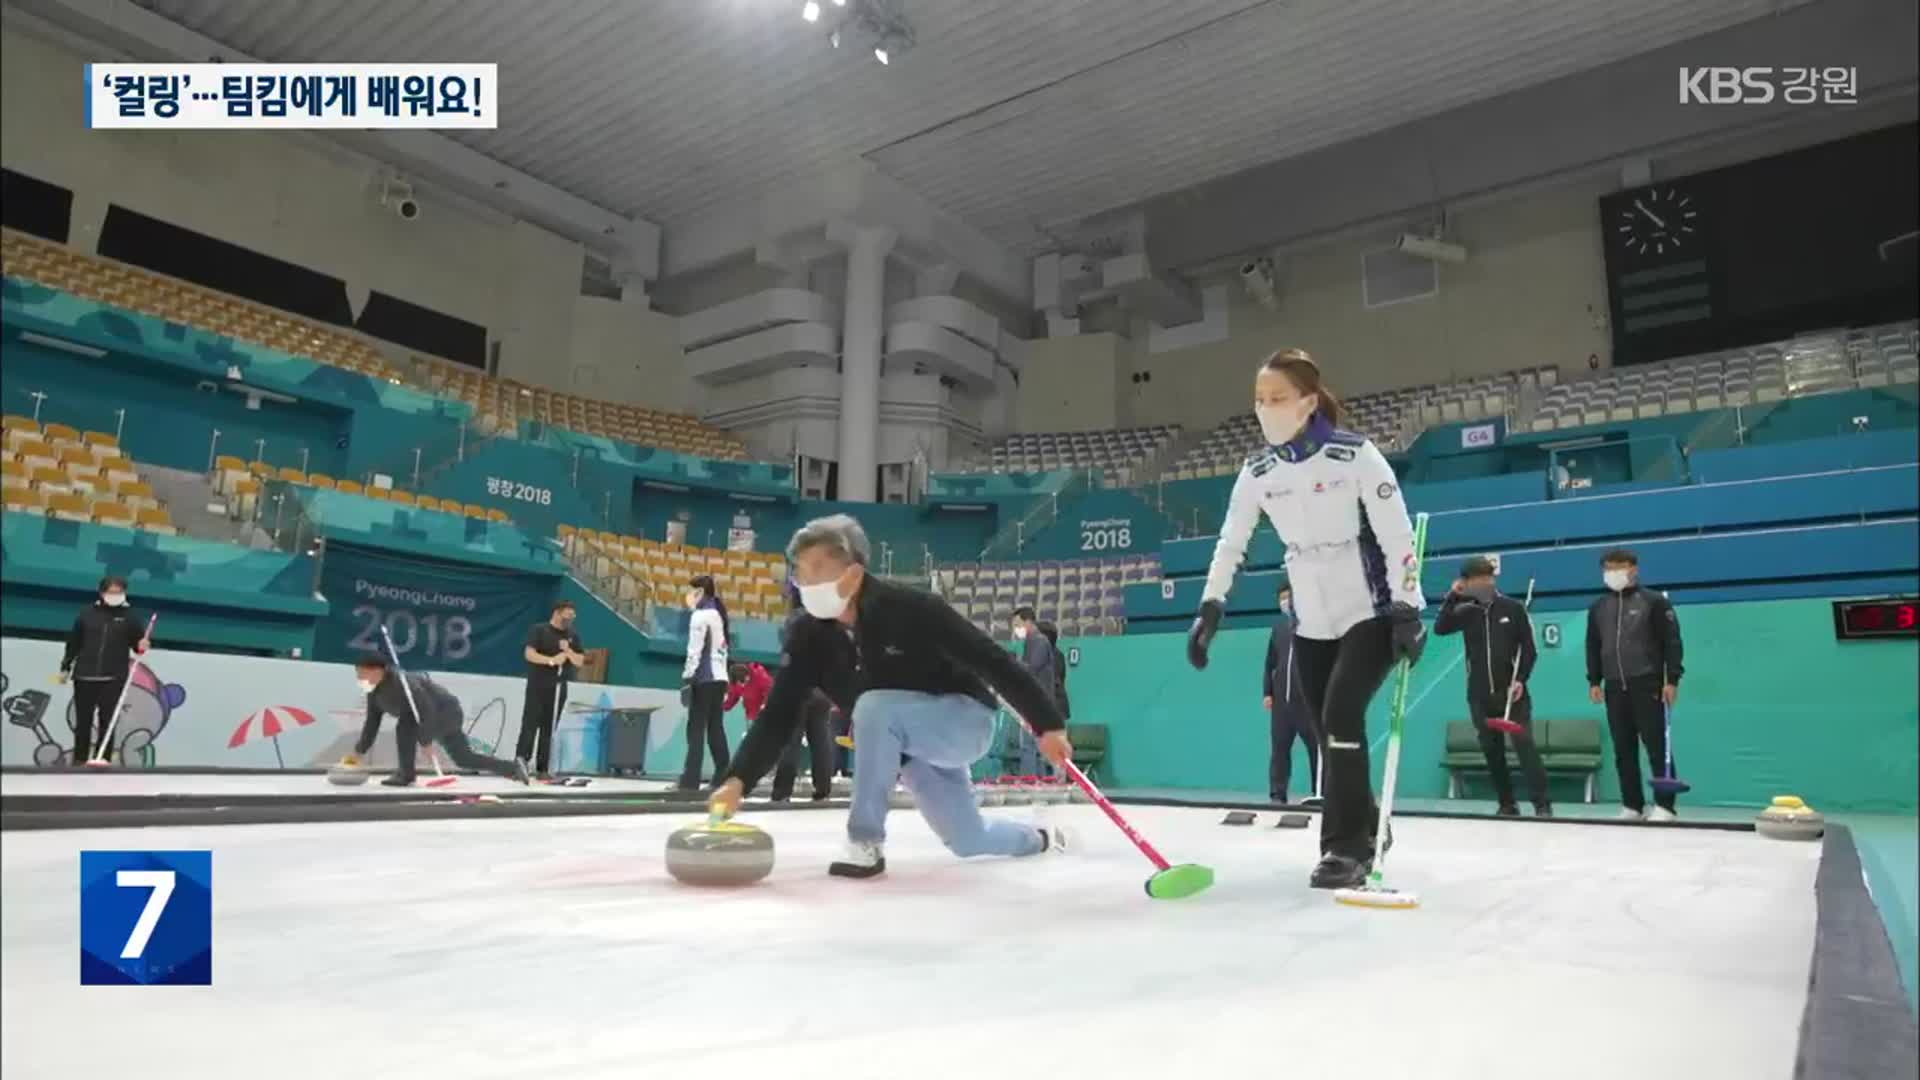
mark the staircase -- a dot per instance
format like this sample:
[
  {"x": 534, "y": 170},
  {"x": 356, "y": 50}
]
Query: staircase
[
  {"x": 199, "y": 511},
  {"x": 1043, "y": 511}
]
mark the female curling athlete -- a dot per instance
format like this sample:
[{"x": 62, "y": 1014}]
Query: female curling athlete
[{"x": 1356, "y": 590}]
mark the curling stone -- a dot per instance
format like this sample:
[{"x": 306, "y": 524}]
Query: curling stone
[
  {"x": 346, "y": 776},
  {"x": 1790, "y": 819},
  {"x": 726, "y": 853}
]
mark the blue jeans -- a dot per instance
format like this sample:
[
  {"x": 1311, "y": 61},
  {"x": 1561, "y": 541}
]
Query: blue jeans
[{"x": 940, "y": 736}]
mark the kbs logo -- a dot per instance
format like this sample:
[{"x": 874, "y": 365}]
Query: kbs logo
[{"x": 1762, "y": 85}]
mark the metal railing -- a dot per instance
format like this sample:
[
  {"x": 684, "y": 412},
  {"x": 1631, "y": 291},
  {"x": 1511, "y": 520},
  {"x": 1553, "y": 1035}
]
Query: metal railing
[{"x": 1013, "y": 536}]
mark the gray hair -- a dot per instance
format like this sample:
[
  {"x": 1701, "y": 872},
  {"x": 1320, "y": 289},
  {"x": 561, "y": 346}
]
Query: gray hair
[{"x": 838, "y": 532}]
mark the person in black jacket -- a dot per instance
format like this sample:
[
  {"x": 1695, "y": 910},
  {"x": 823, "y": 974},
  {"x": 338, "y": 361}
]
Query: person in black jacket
[
  {"x": 1500, "y": 656},
  {"x": 1040, "y": 656},
  {"x": 1059, "y": 668},
  {"x": 919, "y": 681},
  {"x": 441, "y": 720},
  {"x": 816, "y": 723},
  {"x": 1633, "y": 666},
  {"x": 1287, "y": 710},
  {"x": 106, "y": 635}
]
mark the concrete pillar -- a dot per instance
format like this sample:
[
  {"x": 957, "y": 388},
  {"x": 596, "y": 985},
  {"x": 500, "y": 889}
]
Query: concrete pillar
[{"x": 861, "y": 339}]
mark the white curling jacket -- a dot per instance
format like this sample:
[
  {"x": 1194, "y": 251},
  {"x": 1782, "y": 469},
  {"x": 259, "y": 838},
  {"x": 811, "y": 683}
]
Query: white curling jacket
[
  {"x": 706, "y": 648},
  {"x": 1336, "y": 504}
]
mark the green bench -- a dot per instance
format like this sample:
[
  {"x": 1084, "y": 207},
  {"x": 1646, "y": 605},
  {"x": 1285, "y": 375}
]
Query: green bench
[
  {"x": 1567, "y": 748},
  {"x": 1089, "y": 748}
]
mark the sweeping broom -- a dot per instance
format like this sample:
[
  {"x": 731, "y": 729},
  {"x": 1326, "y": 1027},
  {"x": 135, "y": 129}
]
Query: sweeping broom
[
  {"x": 440, "y": 778},
  {"x": 1504, "y": 722},
  {"x": 1375, "y": 893}
]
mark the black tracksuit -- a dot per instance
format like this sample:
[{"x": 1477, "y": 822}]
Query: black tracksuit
[
  {"x": 99, "y": 658},
  {"x": 546, "y": 694},
  {"x": 1291, "y": 717},
  {"x": 902, "y": 639},
  {"x": 1500, "y": 651},
  {"x": 1633, "y": 651},
  {"x": 817, "y": 725},
  {"x": 440, "y": 721}
]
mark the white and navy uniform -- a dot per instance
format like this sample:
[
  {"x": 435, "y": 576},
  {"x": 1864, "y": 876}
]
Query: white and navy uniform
[
  {"x": 1334, "y": 501},
  {"x": 704, "y": 678},
  {"x": 706, "y": 648}
]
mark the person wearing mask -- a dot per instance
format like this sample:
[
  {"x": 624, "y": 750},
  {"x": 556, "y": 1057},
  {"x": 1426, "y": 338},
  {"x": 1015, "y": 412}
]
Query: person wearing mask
[
  {"x": 1336, "y": 504},
  {"x": 1634, "y": 668},
  {"x": 703, "y": 681},
  {"x": 1287, "y": 710},
  {"x": 1043, "y": 660},
  {"x": 554, "y": 653},
  {"x": 919, "y": 681},
  {"x": 106, "y": 636},
  {"x": 1498, "y": 638},
  {"x": 440, "y": 720}
]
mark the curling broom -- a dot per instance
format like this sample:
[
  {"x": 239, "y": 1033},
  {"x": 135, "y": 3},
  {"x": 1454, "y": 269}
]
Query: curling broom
[
  {"x": 1504, "y": 722},
  {"x": 1375, "y": 893},
  {"x": 440, "y": 778},
  {"x": 102, "y": 753}
]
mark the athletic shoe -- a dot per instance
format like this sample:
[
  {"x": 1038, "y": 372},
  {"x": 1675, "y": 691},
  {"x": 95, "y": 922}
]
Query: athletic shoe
[
  {"x": 1057, "y": 839},
  {"x": 822, "y": 796},
  {"x": 1660, "y": 815},
  {"x": 398, "y": 780},
  {"x": 520, "y": 772},
  {"x": 1543, "y": 810},
  {"x": 862, "y": 860},
  {"x": 1338, "y": 872},
  {"x": 1311, "y": 800},
  {"x": 1628, "y": 813},
  {"x": 1507, "y": 810}
]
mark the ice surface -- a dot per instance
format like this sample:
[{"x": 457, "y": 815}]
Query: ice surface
[{"x": 559, "y": 947}]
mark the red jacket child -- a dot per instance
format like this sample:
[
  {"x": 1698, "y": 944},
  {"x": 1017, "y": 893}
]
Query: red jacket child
[{"x": 750, "y": 684}]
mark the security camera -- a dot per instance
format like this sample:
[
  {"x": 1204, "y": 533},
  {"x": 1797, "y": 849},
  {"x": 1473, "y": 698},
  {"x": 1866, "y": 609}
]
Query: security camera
[
  {"x": 1257, "y": 276},
  {"x": 397, "y": 195},
  {"x": 1430, "y": 247}
]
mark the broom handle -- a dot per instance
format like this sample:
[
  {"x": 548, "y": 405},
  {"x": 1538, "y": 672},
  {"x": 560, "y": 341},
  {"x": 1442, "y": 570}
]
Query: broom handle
[
  {"x": 1526, "y": 609},
  {"x": 1399, "y": 716},
  {"x": 1158, "y": 860},
  {"x": 106, "y": 741},
  {"x": 418, "y": 720}
]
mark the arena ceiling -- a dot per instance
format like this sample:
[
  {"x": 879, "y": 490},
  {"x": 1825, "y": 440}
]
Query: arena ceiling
[{"x": 1017, "y": 116}]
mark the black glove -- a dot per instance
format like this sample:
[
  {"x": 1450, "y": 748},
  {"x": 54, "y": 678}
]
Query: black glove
[
  {"x": 1409, "y": 633},
  {"x": 1201, "y": 636},
  {"x": 686, "y": 695}
]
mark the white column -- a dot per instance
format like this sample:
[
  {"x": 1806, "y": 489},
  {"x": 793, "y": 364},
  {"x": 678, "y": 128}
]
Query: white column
[{"x": 861, "y": 338}]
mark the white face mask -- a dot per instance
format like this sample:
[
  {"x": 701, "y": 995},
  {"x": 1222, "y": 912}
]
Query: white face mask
[
  {"x": 367, "y": 685},
  {"x": 1280, "y": 423},
  {"x": 1019, "y": 633},
  {"x": 1617, "y": 580},
  {"x": 823, "y": 601},
  {"x": 114, "y": 599},
  {"x": 1286, "y": 608}
]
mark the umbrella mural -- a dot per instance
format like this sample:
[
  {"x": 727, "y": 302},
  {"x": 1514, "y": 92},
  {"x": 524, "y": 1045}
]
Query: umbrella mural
[{"x": 270, "y": 727}]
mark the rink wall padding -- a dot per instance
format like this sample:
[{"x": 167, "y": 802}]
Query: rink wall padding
[
  {"x": 342, "y": 811},
  {"x": 1857, "y": 1024},
  {"x": 209, "y": 711}
]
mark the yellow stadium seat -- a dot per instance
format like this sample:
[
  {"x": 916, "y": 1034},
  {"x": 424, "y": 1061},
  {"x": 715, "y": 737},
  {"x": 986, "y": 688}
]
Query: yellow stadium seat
[
  {"x": 69, "y": 507},
  {"x": 349, "y": 487},
  {"x": 60, "y": 433},
  {"x": 497, "y": 515},
  {"x": 12, "y": 423},
  {"x": 154, "y": 520},
  {"x": 263, "y": 470},
  {"x": 320, "y": 480},
  {"x": 477, "y": 512},
  {"x": 243, "y": 495},
  {"x": 24, "y": 500},
  {"x": 99, "y": 438},
  {"x": 292, "y": 475},
  {"x": 87, "y": 478},
  {"x": 404, "y": 498},
  {"x": 113, "y": 513},
  {"x": 426, "y": 502},
  {"x": 376, "y": 493}
]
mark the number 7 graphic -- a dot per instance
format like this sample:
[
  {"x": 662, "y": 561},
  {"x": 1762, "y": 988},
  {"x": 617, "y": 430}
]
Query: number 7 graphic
[{"x": 161, "y": 882}]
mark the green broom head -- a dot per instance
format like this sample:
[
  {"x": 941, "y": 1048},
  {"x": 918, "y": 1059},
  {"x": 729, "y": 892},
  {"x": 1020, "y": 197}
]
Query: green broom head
[{"x": 1176, "y": 882}]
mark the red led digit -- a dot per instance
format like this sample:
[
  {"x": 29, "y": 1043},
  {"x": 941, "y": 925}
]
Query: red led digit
[{"x": 1904, "y": 616}]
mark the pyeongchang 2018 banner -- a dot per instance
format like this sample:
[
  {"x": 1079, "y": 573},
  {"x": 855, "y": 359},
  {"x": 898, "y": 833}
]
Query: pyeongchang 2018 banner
[
  {"x": 311, "y": 96},
  {"x": 442, "y": 616}
]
